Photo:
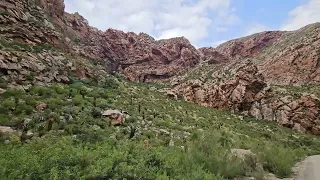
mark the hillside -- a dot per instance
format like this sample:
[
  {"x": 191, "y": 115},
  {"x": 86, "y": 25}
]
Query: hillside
[
  {"x": 65, "y": 137},
  {"x": 80, "y": 103},
  {"x": 271, "y": 76}
]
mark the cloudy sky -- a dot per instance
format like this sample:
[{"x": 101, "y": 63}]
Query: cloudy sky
[{"x": 203, "y": 22}]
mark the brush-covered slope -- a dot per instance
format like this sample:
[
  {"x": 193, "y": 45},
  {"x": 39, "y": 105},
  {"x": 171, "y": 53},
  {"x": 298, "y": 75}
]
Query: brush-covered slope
[{"x": 64, "y": 136}]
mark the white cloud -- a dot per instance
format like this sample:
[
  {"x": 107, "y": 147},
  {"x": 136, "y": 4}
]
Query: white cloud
[
  {"x": 255, "y": 28},
  {"x": 159, "y": 18},
  {"x": 303, "y": 15}
]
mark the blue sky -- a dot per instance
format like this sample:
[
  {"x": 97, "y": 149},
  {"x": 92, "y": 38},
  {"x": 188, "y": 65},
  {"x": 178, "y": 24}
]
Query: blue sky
[
  {"x": 256, "y": 16},
  {"x": 203, "y": 22}
]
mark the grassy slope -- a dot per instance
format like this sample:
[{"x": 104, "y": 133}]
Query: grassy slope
[{"x": 85, "y": 147}]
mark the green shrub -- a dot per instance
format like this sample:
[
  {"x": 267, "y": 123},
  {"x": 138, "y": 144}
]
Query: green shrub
[
  {"x": 77, "y": 100},
  {"x": 71, "y": 110},
  {"x": 76, "y": 40},
  {"x": 96, "y": 112},
  {"x": 78, "y": 86},
  {"x": 278, "y": 160},
  {"x": 13, "y": 93},
  {"x": 215, "y": 159},
  {"x": 4, "y": 119},
  {"x": 60, "y": 89},
  {"x": 149, "y": 134},
  {"x": 31, "y": 101},
  {"x": 110, "y": 83},
  {"x": 42, "y": 91},
  {"x": 23, "y": 108},
  {"x": 9, "y": 104},
  {"x": 3, "y": 110},
  {"x": 30, "y": 76},
  {"x": 103, "y": 104},
  {"x": 55, "y": 103}
]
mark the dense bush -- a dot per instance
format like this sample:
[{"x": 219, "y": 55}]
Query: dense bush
[{"x": 279, "y": 160}]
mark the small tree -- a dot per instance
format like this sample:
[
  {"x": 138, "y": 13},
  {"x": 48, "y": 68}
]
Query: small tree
[
  {"x": 52, "y": 119},
  {"x": 15, "y": 93},
  {"x": 132, "y": 131},
  {"x": 83, "y": 92},
  {"x": 95, "y": 96},
  {"x": 70, "y": 93}
]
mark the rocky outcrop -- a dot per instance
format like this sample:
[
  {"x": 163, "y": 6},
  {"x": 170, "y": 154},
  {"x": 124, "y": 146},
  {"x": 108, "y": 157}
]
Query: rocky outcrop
[
  {"x": 240, "y": 87},
  {"x": 20, "y": 69},
  {"x": 140, "y": 57},
  {"x": 249, "y": 46},
  {"x": 27, "y": 23},
  {"x": 301, "y": 114},
  {"x": 54, "y": 8},
  {"x": 235, "y": 93},
  {"x": 213, "y": 56},
  {"x": 116, "y": 117},
  {"x": 244, "y": 75},
  {"x": 294, "y": 59}
]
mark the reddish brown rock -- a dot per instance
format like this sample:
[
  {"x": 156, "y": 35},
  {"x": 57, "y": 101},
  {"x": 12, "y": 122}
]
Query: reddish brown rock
[
  {"x": 116, "y": 117},
  {"x": 249, "y": 46},
  {"x": 213, "y": 56},
  {"x": 41, "y": 106},
  {"x": 236, "y": 93},
  {"x": 294, "y": 59}
]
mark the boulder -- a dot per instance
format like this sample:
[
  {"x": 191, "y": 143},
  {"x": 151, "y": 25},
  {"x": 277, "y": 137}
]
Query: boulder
[
  {"x": 116, "y": 117},
  {"x": 6, "y": 129},
  {"x": 247, "y": 155},
  {"x": 172, "y": 95},
  {"x": 41, "y": 106}
]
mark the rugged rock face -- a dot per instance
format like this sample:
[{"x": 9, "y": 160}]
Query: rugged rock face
[
  {"x": 249, "y": 46},
  {"x": 301, "y": 114},
  {"x": 294, "y": 59},
  {"x": 139, "y": 56},
  {"x": 25, "y": 22},
  {"x": 213, "y": 56},
  {"x": 33, "y": 50},
  {"x": 236, "y": 93},
  {"x": 271, "y": 75},
  {"x": 240, "y": 87},
  {"x": 27, "y": 68}
]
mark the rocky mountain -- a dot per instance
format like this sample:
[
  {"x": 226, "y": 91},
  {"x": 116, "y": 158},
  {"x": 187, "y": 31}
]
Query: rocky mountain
[
  {"x": 138, "y": 56},
  {"x": 270, "y": 75}
]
